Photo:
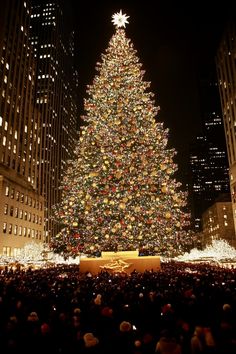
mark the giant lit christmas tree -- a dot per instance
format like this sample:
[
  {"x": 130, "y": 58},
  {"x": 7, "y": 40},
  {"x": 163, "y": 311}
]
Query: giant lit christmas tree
[{"x": 120, "y": 192}]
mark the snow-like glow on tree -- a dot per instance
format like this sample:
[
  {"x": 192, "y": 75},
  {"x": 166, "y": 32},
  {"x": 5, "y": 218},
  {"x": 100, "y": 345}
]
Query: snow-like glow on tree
[{"x": 120, "y": 192}]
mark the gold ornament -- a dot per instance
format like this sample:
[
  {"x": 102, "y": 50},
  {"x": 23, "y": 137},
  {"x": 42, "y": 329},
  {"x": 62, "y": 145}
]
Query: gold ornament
[
  {"x": 122, "y": 206},
  {"x": 168, "y": 215},
  {"x": 164, "y": 189},
  {"x": 162, "y": 167},
  {"x": 75, "y": 223},
  {"x": 93, "y": 174},
  {"x": 118, "y": 174}
]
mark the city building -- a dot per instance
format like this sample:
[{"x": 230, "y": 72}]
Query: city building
[
  {"x": 52, "y": 38},
  {"x": 21, "y": 208},
  {"x": 218, "y": 223},
  {"x": 209, "y": 175},
  {"x": 226, "y": 72}
]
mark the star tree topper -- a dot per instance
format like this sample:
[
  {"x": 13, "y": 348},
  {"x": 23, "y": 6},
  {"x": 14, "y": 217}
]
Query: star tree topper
[{"x": 119, "y": 19}]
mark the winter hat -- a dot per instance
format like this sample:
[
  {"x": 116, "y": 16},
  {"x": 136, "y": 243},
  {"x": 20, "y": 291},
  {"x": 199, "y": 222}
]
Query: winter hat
[
  {"x": 98, "y": 299},
  {"x": 107, "y": 311},
  {"x": 226, "y": 307},
  {"x": 33, "y": 316},
  {"x": 45, "y": 328},
  {"x": 76, "y": 311},
  {"x": 90, "y": 340},
  {"x": 13, "y": 319},
  {"x": 125, "y": 326}
]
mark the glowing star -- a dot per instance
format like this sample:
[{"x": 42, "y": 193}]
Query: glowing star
[{"x": 119, "y": 19}]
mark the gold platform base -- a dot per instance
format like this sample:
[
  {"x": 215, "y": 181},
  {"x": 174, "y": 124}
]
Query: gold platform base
[
  {"x": 121, "y": 254},
  {"x": 120, "y": 262}
]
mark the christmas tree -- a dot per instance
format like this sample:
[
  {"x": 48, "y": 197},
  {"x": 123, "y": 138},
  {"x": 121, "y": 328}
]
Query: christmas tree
[{"x": 120, "y": 192}]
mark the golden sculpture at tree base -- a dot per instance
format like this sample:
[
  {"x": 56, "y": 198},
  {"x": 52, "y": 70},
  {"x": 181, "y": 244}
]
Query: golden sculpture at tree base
[{"x": 120, "y": 262}]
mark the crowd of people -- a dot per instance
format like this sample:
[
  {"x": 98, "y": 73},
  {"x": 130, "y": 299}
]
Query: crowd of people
[{"x": 182, "y": 308}]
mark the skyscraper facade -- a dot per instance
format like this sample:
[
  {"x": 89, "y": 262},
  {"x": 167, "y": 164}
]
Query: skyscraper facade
[
  {"x": 21, "y": 210},
  {"x": 38, "y": 117},
  {"x": 209, "y": 178},
  {"x": 52, "y": 38},
  {"x": 226, "y": 72}
]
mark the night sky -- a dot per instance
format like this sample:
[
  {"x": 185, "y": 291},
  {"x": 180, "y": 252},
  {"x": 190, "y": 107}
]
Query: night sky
[{"x": 176, "y": 43}]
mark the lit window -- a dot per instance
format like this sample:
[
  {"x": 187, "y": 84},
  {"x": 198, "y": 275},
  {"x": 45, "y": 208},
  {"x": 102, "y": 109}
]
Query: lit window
[
  {"x": 4, "y": 227},
  {"x": 7, "y": 191},
  {"x": 5, "y": 209},
  {"x": 12, "y": 193}
]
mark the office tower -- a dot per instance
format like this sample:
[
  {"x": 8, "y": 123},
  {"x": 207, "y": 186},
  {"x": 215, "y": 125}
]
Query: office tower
[
  {"x": 21, "y": 211},
  {"x": 209, "y": 178},
  {"x": 226, "y": 72},
  {"x": 52, "y": 38},
  {"x": 217, "y": 222}
]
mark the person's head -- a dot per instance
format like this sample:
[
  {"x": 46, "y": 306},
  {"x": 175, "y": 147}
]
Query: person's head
[
  {"x": 90, "y": 340},
  {"x": 125, "y": 326}
]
